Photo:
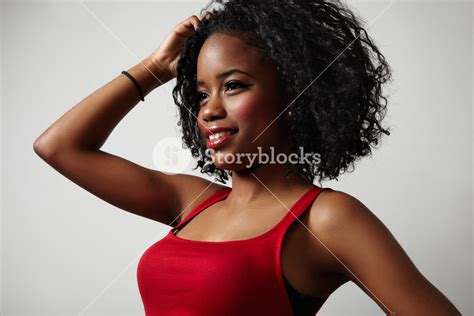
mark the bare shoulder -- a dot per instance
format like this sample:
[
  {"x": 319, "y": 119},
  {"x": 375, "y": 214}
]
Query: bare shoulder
[
  {"x": 366, "y": 253},
  {"x": 191, "y": 191},
  {"x": 334, "y": 218},
  {"x": 334, "y": 209}
]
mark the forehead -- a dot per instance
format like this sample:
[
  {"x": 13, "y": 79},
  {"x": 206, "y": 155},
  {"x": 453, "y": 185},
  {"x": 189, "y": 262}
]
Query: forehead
[{"x": 222, "y": 51}]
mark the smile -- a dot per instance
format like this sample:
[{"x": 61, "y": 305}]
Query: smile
[{"x": 218, "y": 139}]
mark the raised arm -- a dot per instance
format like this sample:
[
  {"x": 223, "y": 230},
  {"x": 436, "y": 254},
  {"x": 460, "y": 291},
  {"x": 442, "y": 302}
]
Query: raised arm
[{"x": 71, "y": 145}]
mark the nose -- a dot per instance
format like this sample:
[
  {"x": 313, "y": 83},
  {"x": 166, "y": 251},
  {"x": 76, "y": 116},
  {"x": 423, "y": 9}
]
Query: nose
[{"x": 213, "y": 110}]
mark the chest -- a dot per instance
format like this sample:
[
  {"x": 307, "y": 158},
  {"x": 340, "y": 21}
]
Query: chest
[
  {"x": 309, "y": 272},
  {"x": 239, "y": 258},
  {"x": 212, "y": 278},
  {"x": 219, "y": 223}
]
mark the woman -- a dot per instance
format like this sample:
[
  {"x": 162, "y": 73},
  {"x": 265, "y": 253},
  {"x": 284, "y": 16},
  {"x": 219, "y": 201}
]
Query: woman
[{"x": 254, "y": 78}]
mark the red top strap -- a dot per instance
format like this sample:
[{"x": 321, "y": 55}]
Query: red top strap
[
  {"x": 213, "y": 198},
  {"x": 291, "y": 215},
  {"x": 299, "y": 207}
]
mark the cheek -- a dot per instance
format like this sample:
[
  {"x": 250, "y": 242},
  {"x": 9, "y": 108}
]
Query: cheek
[
  {"x": 253, "y": 110},
  {"x": 201, "y": 126}
]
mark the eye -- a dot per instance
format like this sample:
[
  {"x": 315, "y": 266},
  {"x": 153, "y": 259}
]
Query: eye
[
  {"x": 235, "y": 84},
  {"x": 199, "y": 96},
  {"x": 229, "y": 85}
]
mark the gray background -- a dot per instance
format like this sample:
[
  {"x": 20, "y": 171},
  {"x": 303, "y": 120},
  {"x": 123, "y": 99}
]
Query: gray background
[{"x": 64, "y": 251}]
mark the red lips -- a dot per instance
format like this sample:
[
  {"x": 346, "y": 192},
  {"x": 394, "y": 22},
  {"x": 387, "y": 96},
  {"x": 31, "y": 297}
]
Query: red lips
[
  {"x": 218, "y": 142},
  {"x": 216, "y": 129}
]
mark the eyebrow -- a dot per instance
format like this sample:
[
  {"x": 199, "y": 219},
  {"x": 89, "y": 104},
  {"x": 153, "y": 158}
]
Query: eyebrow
[{"x": 225, "y": 74}]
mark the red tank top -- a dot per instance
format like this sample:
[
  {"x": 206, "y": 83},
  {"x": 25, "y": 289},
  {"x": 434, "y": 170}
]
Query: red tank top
[{"x": 184, "y": 277}]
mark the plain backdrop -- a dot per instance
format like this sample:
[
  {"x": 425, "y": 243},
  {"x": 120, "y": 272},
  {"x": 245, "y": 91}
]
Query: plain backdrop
[{"x": 66, "y": 252}]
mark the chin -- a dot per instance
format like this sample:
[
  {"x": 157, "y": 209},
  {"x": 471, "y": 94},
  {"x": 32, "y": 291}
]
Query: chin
[{"x": 220, "y": 161}]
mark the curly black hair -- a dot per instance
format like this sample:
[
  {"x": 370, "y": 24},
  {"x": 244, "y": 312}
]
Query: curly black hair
[{"x": 331, "y": 73}]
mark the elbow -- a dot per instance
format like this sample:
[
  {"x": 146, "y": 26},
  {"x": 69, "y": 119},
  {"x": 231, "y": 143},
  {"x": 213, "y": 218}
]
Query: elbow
[
  {"x": 37, "y": 147},
  {"x": 44, "y": 149}
]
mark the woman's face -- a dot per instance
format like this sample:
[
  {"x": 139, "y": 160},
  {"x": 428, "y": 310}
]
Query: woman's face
[{"x": 249, "y": 102}]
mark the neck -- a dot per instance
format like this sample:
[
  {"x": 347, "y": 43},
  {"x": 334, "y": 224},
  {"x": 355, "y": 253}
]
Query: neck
[{"x": 263, "y": 181}]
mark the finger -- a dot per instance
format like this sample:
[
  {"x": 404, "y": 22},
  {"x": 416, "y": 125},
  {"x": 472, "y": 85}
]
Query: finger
[
  {"x": 194, "y": 21},
  {"x": 205, "y": 15},
  {"x": 191, "y": 22}
]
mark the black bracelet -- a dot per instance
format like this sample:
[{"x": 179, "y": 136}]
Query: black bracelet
[{"x": 135, "y": 83}]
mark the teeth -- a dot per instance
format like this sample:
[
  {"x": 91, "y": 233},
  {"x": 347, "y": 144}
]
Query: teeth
[{"x": 220, "y": 134}]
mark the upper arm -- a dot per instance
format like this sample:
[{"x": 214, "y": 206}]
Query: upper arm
[
  {"x": 369, "y": 255},
  {"x": 129, "y": 186}
]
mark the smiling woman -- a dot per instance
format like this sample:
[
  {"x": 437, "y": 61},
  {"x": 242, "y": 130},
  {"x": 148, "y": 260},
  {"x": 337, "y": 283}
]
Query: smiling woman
[
  {"x": 253, "y": 78},
  {"x": 245, "y": 98},
  {"x": 335, "y": 111}
]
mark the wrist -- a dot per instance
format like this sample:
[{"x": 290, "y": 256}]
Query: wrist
[
  {"x": 147, "y": 75},
  {"x": 157, "y": 71}
]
